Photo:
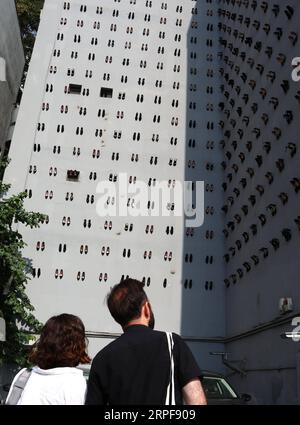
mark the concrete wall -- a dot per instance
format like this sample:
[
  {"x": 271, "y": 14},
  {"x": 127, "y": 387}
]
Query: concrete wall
[
  {"x": 203, "y": 310},
  {"x": 253, "y": 299},
  {"x": 177, "y": 307},
  {"x": 11, "y": 63},
  {"x": 194, "y": 302}
]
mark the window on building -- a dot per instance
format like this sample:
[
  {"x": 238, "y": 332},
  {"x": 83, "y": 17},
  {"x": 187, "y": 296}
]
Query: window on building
[
  {"x": 73, "y": 175},
  {"x": 106, "y": 92},
  {"x": 74, "y": 88}
]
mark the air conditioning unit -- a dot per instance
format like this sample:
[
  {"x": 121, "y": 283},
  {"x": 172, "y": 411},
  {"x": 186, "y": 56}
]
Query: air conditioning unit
[
  {"x": 285, "y": 305},
  {"x": 73, "y": 174}
]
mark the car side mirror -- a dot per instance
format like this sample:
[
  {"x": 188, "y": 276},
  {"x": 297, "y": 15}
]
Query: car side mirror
[{"x": 246, "y": 397}]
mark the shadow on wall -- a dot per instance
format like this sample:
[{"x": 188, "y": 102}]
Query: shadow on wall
[{"x": 203, "y": 305}]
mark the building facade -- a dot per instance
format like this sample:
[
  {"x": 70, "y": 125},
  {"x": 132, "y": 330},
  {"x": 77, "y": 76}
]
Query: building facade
[
  {"x": 160, "y": 91},
  {"x": 11, "y": 66},
  {"x": 109, "y": 92},
  {"x": 260, "y": 106}
]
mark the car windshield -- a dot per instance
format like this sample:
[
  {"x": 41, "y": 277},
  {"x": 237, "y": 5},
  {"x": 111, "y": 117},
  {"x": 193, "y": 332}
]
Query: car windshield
[{"x": 217, "y": 388}]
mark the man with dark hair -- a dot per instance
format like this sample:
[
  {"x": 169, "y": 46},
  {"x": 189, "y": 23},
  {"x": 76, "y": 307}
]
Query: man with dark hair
[{"x": 135, "y": 368}]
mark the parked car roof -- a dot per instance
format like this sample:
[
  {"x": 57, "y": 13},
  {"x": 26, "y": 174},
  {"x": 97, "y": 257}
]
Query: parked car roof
[{"x": 210, "y": 373}]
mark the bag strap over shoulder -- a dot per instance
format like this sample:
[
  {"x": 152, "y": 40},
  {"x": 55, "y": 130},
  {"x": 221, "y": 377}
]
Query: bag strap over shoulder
[
  {"x": 18, "y": 387},
  {"x": 170, "y": 398}
]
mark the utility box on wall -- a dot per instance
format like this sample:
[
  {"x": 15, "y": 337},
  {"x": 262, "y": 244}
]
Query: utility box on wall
[
  {"x": 2, "y": 69},
  {"x": 285, "y": 305},
  {"x": 2, "y": 330}
]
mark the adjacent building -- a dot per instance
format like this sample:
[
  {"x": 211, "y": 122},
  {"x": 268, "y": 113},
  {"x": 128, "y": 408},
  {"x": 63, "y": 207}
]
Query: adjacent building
[
  {"x": 260, "y": 106},
  {"x": 11, "y": 68}
]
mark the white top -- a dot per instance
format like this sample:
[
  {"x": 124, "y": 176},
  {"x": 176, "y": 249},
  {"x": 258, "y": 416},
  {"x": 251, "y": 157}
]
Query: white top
[{"x": 61, "y": 385}]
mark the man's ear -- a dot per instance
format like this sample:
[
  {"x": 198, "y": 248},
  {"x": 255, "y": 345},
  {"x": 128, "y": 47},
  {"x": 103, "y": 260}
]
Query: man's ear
[{"x": 146, "y": 310}]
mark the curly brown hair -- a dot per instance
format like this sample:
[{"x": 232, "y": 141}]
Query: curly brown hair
[{"x": 62, "y": 343}]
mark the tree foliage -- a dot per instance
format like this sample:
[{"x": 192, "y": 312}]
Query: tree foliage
[{"x": 15, "y": 272}]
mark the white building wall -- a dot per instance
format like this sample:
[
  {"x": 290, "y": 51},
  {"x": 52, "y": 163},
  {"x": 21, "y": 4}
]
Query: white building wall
[
  {"x": 180, "y": 291},
  {"x": 186, "y": 305}
]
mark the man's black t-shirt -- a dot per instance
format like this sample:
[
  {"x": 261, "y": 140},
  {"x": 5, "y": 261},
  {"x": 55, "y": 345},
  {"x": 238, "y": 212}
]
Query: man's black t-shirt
[{"x": 135, "y": 369}]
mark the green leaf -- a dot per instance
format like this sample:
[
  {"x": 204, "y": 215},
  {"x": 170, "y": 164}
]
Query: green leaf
[{"x": 15, "y": 272}]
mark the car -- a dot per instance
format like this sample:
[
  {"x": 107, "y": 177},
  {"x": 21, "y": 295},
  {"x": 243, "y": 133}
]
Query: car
[
  {"x": 218, "y": 390},
  {"x": 85, "y": 370}
]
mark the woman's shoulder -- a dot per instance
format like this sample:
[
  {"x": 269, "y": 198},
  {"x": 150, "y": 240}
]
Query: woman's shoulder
[
  {"x": 67, "y": 375},
  {"x": 74, "y": 375},
  {"x": 68, "y": 379},
  {"x": 74, "y": 387},
  {"x": 71, "y": 371}
]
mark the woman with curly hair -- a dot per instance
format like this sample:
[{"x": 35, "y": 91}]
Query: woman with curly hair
[{"x": 55, "y": 379}]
